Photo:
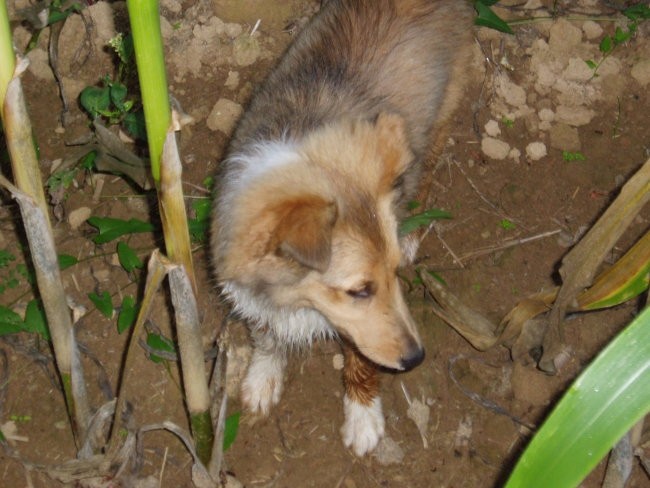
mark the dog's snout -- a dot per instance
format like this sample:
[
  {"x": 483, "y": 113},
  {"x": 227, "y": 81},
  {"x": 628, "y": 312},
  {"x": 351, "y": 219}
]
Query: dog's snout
[{"x": 414, "y": 359}]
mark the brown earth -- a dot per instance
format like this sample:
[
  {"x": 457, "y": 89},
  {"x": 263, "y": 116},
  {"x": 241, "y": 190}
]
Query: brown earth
[{"x": 533, "y": 87}]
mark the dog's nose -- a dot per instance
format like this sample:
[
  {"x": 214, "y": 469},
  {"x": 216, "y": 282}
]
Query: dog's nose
[{"x": 410, "y": 362}]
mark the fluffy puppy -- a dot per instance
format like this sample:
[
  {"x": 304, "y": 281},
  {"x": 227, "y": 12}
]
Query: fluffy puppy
[{"x": 305, "y": 240}]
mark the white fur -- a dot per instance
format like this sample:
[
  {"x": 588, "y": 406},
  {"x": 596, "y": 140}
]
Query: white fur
[
  {"x": 291, "y": 328},
  {"x": 262, "y": 386},
  {"x": 260, "y": 158},
  {"x": 363, "y": 426}
]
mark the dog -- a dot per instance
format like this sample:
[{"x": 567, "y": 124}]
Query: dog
[{"x": 305, "y": 230}]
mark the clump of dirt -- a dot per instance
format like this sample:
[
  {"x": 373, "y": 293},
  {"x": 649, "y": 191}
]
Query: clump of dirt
[{"x": 504, "y": 176}]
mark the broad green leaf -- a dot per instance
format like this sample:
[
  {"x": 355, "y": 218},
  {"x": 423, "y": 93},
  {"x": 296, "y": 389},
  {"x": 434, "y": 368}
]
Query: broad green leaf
[
  {"x": 128, "y": 257},
  {"x": 606, "y": 45},
  {"x": 487, "y": 18},
  {"x": 35, "y": 320},
  {"x": 159, "y": 343},
  {"x": 118, "y": 95},
  {"x": 128, "y": 314},
  {"x": 423, "y": 219},
  {"x": 133, "y": 123},
  {"x": 230, "y": 430},
  {"x": 95, "y": 100},
  {"x": 606, "y": 400},
  {"x": 110, "y": 228},
  {"x": 65, "y": 261},
  {"x": 103, "y": 302},
  {"x": 10, "y": 322}
]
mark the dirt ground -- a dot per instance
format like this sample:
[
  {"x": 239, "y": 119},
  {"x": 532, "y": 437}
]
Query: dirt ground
[{"x": 532, "y": 101}]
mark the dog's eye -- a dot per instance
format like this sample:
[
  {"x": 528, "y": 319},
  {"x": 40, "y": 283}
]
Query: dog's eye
[{"x": 366, "y": 291}]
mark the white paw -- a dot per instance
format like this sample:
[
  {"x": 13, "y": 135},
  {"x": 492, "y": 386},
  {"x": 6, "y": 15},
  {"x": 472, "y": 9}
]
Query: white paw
[
  {"x": 363, "y": 426},
  {"x": 262, "y": 386}
]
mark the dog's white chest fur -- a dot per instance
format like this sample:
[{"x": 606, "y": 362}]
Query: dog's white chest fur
[{"x": 291, "y": 328}]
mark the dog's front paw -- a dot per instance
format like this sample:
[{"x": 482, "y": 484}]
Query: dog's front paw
[
  {"x": 262, "y": 386},
  {"x": 363, "y": 426}
]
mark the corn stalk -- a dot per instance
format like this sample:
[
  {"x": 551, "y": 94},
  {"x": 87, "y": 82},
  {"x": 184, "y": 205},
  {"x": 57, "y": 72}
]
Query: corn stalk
[
  {"x": 167, "y": 173},
  {"x": 31, "y": 199}
]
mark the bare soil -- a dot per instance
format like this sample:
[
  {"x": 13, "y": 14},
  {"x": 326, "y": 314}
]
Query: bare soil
[{"x": 533, "y": 86}]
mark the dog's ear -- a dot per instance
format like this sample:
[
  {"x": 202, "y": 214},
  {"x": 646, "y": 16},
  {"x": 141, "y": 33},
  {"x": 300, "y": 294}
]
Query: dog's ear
[
  {"x": 304, "y": 231},
  {"x": 393, "y": 148}
]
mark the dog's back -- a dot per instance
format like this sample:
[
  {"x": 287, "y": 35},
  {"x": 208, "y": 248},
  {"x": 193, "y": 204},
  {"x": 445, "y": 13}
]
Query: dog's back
[{"x": 359, "y": 58}]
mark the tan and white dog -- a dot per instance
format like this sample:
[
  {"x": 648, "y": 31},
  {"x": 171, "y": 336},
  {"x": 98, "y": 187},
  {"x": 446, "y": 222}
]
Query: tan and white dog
[{"x": 305, "y": 238}]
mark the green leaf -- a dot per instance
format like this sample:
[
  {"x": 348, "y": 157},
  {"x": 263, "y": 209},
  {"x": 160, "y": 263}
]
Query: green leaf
[
  {"x": 10, "y": 321},
  {"x": 591, "y": 63},
  {"x": 620, "y": 36},
  {"x": 35, "y": 320},
  {"x": 26, "y": 273},
  {"x": 230, "y": 430},
  {"x": 606, "y": 45},
  {"x": 65, "y": 261},
  {"x": 118, "y": 95},
  {"x": 110, "y": 228},
  {"x": 88, "y": 161},
  {"x": 128, "y": 314},
  {"x": 95, "y": 100},
  {"x": 606, "y": 400},
  {"x": 199, "y": 225},
  {"x": 128, "y": 257},
  {"x": 103, "y": 302},
  {"x": 487, "y": 18},
  {"x": 638, "y": 11},
  {"x": 159, "y": 343},
  {"x": 423, "y": 219},
  {"x": 133, "y": 123}
]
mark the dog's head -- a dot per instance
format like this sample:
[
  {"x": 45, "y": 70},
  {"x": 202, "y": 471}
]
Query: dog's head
[{"x": 321, "y": 232}]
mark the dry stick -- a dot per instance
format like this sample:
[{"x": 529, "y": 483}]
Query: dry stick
[
  {"x": 483, "y": 197},
  {"x": 508, "y": 244},
  {"x": 156, "y": 272}
]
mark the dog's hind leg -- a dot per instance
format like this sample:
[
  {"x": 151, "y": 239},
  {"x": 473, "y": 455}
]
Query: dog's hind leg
[
  {"x": 262, "y": 386},
  {"x": 364, "y": 419}
]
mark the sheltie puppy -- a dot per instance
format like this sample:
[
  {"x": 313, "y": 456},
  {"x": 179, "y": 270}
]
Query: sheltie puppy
[{"x": 305, "y": 229}]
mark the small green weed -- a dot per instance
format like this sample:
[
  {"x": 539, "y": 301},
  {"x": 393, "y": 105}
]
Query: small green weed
[
  {"x": 635, "y": 14},
  {"x": 507, "y": 224},
  {"x": 414, "y": 222},
  {"x": 509, "y": 123},
  {"x": 573, "y": 156},
  {"x": 34, "y": 321}
]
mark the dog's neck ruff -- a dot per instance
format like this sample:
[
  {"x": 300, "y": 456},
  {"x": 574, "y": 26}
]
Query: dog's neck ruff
[
  {"x": 260, "y": 158},
  {"x": 293, "y": 328}
]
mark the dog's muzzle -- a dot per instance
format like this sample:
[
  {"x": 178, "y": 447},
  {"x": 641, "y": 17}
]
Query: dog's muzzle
[{"x": 412, "y": 360}]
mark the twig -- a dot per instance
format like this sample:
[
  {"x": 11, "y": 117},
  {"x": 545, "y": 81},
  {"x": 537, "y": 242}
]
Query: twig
[
  {"x": 480, "y": 194},
  {"x": 508, "y": 244},
  {"x": 444, "y": 244},
  {"x": 475, "y": 397}
]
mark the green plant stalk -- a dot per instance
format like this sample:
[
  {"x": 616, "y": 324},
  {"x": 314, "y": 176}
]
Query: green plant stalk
[
  {"x": 147, "y": 42},
  {"x": 7, "y": 56},
  {"x": 606, "y": 400},
  {"x": 166, "y": 167}
]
